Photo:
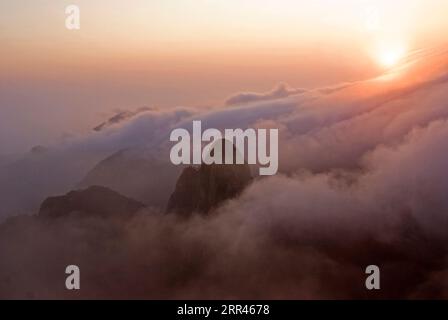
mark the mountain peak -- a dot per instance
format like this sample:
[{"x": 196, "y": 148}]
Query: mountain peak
[
  {"x": 93, "y": 201},
  {"x": 200, "y": 189}
]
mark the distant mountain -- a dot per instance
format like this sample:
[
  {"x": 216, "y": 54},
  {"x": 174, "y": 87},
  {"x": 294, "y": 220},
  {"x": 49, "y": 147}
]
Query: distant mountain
[
  {"x": 134, "y": 175},
  {"x": 94, "y": 201},
  {"x": 38, "y": 149},
  {"x": 119, "y": 117}
]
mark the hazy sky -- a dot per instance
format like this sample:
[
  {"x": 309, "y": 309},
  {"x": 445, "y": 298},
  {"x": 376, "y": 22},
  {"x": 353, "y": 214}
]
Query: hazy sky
[{"x": 128, "y": 54}]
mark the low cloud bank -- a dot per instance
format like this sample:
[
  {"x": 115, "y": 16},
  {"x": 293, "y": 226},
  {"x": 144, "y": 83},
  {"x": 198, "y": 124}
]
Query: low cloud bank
[{"x": 363, "y": 181}]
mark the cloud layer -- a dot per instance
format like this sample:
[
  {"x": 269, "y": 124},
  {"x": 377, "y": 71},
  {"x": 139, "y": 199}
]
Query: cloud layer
[{"x": 363, "y": 181}]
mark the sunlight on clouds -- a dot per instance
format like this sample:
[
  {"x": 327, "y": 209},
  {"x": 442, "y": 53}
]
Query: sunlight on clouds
[{"x": 391, "y": 54}]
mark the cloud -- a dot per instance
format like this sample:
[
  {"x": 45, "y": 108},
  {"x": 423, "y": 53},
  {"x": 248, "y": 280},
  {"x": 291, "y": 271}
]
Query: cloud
[
  {"x": 282, "y": 91},
  {"x": 363, "y": 181},
  {"x": 25, "y": 182},
  {"x": 119, "y": 117}
]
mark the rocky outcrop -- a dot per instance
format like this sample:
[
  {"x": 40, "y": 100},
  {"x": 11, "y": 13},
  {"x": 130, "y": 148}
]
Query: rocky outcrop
[
  {"x": 94, "y": 201},
  {"x": 204, "y": 188}
]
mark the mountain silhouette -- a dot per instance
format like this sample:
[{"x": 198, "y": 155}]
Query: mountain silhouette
[
  {"x": 94, "y": 201},
  {"x": 201, "y": 189}
]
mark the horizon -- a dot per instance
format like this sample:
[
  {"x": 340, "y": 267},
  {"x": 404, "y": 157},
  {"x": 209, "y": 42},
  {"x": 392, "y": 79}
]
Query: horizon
[{"x": 188, "y": 53}]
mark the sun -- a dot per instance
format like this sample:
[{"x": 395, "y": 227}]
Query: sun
[{"x": 390, "y": 56}]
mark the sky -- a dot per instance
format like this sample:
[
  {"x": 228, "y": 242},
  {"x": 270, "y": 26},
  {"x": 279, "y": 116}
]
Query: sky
[{"x": 56, "y": 83}]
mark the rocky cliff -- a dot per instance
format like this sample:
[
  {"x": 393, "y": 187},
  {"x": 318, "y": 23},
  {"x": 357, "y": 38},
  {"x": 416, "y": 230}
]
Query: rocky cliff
[{"x": 200, "y": 189}]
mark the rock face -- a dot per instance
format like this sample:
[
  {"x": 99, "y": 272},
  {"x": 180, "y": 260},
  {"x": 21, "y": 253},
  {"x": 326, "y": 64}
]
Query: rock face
[
  {"x": 204, "y": 188},
  {"x": 94, "y": 201}
]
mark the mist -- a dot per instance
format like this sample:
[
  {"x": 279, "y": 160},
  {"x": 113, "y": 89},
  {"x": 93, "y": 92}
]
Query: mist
[{"x": 362, "y": 180}]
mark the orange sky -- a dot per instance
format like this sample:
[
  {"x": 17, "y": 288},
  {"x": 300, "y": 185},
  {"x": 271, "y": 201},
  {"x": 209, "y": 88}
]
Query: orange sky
[{"x": 191, "y": 52}]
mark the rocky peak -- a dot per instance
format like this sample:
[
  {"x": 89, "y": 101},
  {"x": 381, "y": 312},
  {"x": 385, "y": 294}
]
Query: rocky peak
[{"x": 200, "y": 189}]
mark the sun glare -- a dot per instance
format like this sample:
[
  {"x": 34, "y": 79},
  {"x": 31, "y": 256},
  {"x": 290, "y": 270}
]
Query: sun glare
[{"x": 391, "y": 56}]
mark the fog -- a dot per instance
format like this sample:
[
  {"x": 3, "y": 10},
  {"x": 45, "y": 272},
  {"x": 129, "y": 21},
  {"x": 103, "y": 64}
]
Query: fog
[{"x": 362, "y": 181}]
